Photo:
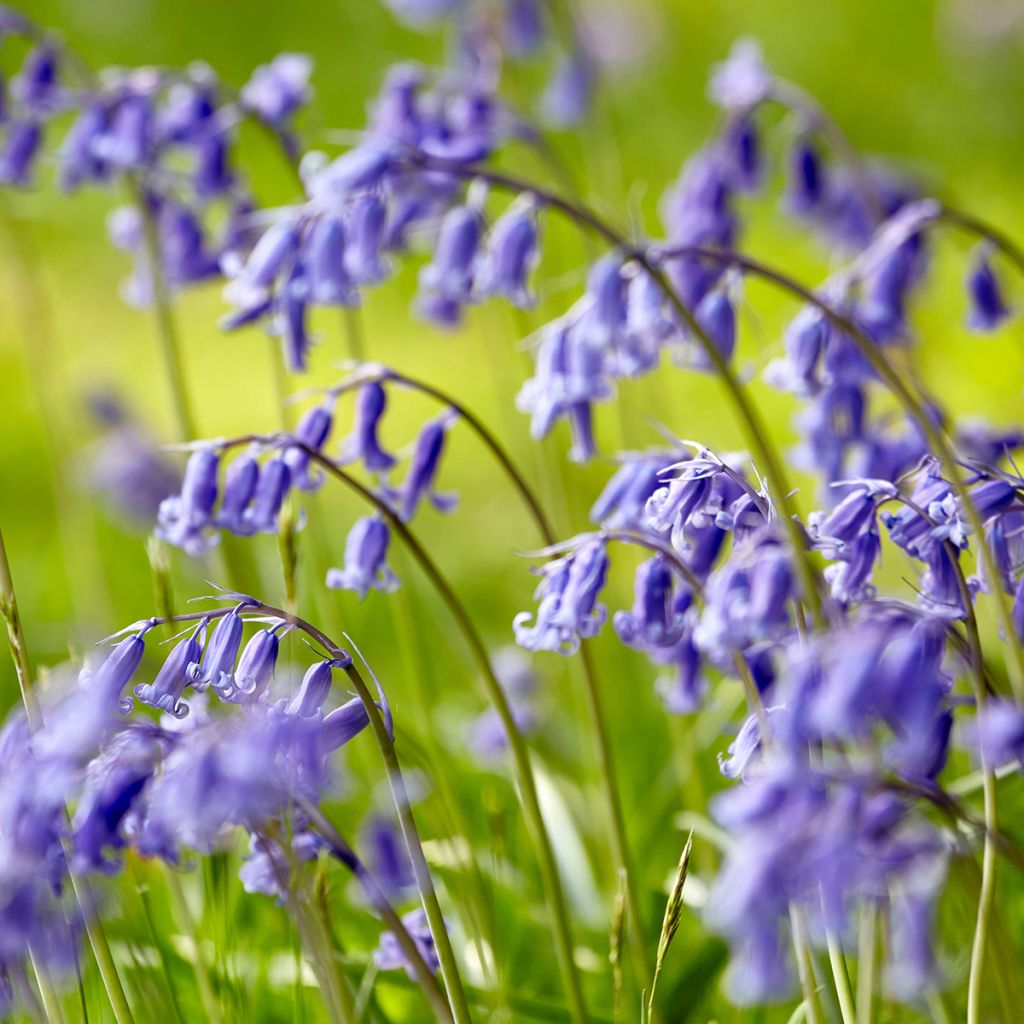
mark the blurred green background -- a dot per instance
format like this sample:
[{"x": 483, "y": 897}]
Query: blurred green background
[{"x": 936, "y": 86}]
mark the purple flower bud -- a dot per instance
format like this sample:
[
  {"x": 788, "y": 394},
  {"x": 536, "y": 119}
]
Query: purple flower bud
[
  {"x": 312, "y": 430},
  {"x": 509, "y": 257},
  {"x": 184, "y": 518},
  {"x": 988, "y": 307},
  {"x": 654, "y": 621},
  {"x": 365, "y": 553},
  {"x": 239, "y": 486},
  {"x": 805, "y": 341},
  {"x": 387, "y": 858},
  {"x": 256, "y": 665},
  {"x": 992, "y": 497},
  {"x": 606, "y": 290},
  {"x": 741, "y": 81},
  {"x": 36, "y": 85},
  {"x": 998, "y": 732},
  {"x": 622, "y": 503},
  {"x": 274, "y": 483},
  {"x": 277, "y": 246},
  {"x": 883, "y": 309},
  {"x": 363, "y": 445},
  {"x": 743, "y": 151},
  {"x": 125, "y": 145},
  {"x": 219, "y": 658},
  {"x": 365, "y": 166},
  {"x": 806, "y": 177},
  {"x": 330, "y": 284},
  {"x": 717, "y": 319},
  {"x": 175, "y": 674},
  {"x": 449, "y": 275},
  {"x": 313, "y": 691},
  {"x": 22, "y": 140},
  {"x": 110, "y": 679},
  {"x": 364, "y": 259},
  {"x": 389, "y": 955},
  {"x": 569, "y": 94},
  {"x": 276, "y": 90},
  {"x": 426, "y": 461},
  {"x": 291, "y": 320},
  {"x": 342, "y": 725},
  {"x": 854, "y": 515},
  {"x": 850, "y": 578},
  {"x": 79, "y": 155}
]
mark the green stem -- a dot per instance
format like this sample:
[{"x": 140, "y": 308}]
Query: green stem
[
  {"x": 866, "y": 963},
  {"x": 841, "y": 977},
  {"x": 184, "y": 915},
  {"x": 166, "y": 329},
  {"x": 805, "y": 965}
]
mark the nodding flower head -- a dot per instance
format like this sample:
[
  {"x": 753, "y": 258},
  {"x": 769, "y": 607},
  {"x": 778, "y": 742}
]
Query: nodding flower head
[
  {"x": 341, "y": 725},
  {"x": 275, "y": 91},
  {"x": 569, "y": 94},
  {"x": 313, "y": 691},
  {"x": 184, "y": 519},
  {"x": 988, "y": 307},
  {"x": 363, "y": 445},
  {"x": 855, "y": 515},
  {"x": 365, "y": 559},
  {"x": 807, "y": 178},
  {"x": 312, "y": 432},
  {"x": 742, "y": 80},
  {"x": 365, "y": 261},
  {"x": 220, "y": 655},
  {"x": 568, "y": 609},
  {"x": 655, "y": 621},
  {"x": 389, "y": 955},
  {"x": 450, "y": 275},
  {"x": 426, "y": 462},
  {"x": 175, "y": 675},
  {"x": 275, "y": 481},
  {"x": 622, "y": 503},
  {"x": 716, "y": 317},
  {"x": 255, "y": 666},
  {"x": 117, "y": 670},
  {"x": 329, "y": 281},
  {"x": 686, "y": 501},
  {"x": 240, "y": 483},
  {"x": 510, "y": 254}
]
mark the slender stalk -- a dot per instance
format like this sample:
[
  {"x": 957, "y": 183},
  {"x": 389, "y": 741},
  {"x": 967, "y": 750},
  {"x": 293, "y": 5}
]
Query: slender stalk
[
  {"x": 184, "y": 915},
  {"x": 595, "y": 703},
  {"x": 166, "y": 328},
  {"x": 866, "y": 958},
  {"x": 841, "y": 977},
  {"x": 805, "y": 965},
  {"x": 748, "y": 414},
  {"x": 343, "y": 852}
]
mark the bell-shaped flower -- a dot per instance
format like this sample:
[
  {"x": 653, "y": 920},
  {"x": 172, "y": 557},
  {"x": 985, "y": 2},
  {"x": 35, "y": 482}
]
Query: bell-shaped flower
[{"x": 366, "y": 567}]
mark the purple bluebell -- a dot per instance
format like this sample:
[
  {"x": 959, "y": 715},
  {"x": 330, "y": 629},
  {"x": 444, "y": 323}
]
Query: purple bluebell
[
  {"x": 570, "y": 92},
  {"x": 114, "y": 786},
  {"x": 849, "y": 578},
  {"x": 268, "y": 868},
  {"x": 423, "y": 470},
  {"x": 988, "y": 307},
  {"x": 365, "y": 262},
  {"x": 805, "y": 341},
  {"x": 341, "y": 725},
  {"x": 126, "y": 144},
  {"x": 175, "y": 675},
  {"x": 742, "y": 148},
  {"x": 449, "y": 277},
  {"x": 855, "y": 515},
  {"x": 742, "y": 80},
  {"x": 912, "y": 966},
  {"x": 681, "y": 503},
  {"x": 21, "y": 145},
  {"x": 654, "y": 620},
  {"x": 220, "y": 654},
  {"x": 37, "y": 84},
  {"x": 365, "y": 560},
  {"x": 313, "y": 690},
  {"x": 716, "y": 317},
  {"x": 622, "y": 503},
  {"x": 998, "y": 732},
  {"x": 184, "y": 519},
  {"x": 311, "y": 431},
  {"x": 120, "y": 665},
  {"x": 523, "y": 26},
  {"x": 807, "y": 177},
  {"x": 255, "y": 666},
  {"x": 362, "y": 445},
  {"x": 275, "y": 91},
  {"x": 509, "y": 255},
  {"x": 80, "y": 158},
  {"x": 240, "y": 482},
  {"x": 275, "y": 480},
  {"x": 568, "y": 609},
  {"x": 386, "y": 857},
  {"x": 389, "y": 955},
  {"x": 329, "y": 282},
  {"x": 290, "y": 322},
  {"x": 487, "y": 736}
]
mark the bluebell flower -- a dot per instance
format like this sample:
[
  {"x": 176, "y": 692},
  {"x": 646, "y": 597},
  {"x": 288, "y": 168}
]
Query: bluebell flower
[
  {"x": 716, "y": 317},
  {"x": 426, "y": 461},
  {"x": 855, "y": 515},
  {"x": 329, "y": 282},
  {"x": 290, "y": 320},
  {"x": 363, "y": 445},
  {"x": 622, "y": 503},
  {"x": 240, "y": 482},
  {"x": 804, "y": 340},
  {"x": 654, "y": 620},
  {"x": 568, "y": 609},
  {"x": 882, "y": 310},
  {"x": 807, "y": 177},
  {"x": 175, "y": 675},
  {"x": 988, "y": 307},
  {"x": 184, "y": 519},
  {"x": 448, "y": 279},
  {"x": 686, "y": 500},
  {"x": 275, "y": 91},
  {"x": 272, "y": 488},
  {"x": 742, "y": 80},
  {"x": 389, "y": 955},
  {"x": 120, "y": 665},
  {"x": 312, "y": 431},
  {"x": 255, "y": 666},
  {"x": 37, "y": 83},
  {"x": 220, "y": 654},
  {"x": 742, "y": 147},
  {"x": 510, "y": 253},
  {"x": 386, "y": 857},
  {"x": 570, "y": 92},
  {"x": 365, "y": 262},
  {"x": 487, "y": 736},
  {"x": 22, "y": 141},
  {"x": 341, "y": 725},
  {"x": 126, "y": 144},
  {"x": 267, "y": 865},
  {"x": 313, "y": 690},
  {"x": 365, "y": 568},
  {"x": 998, "y": 732}
]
